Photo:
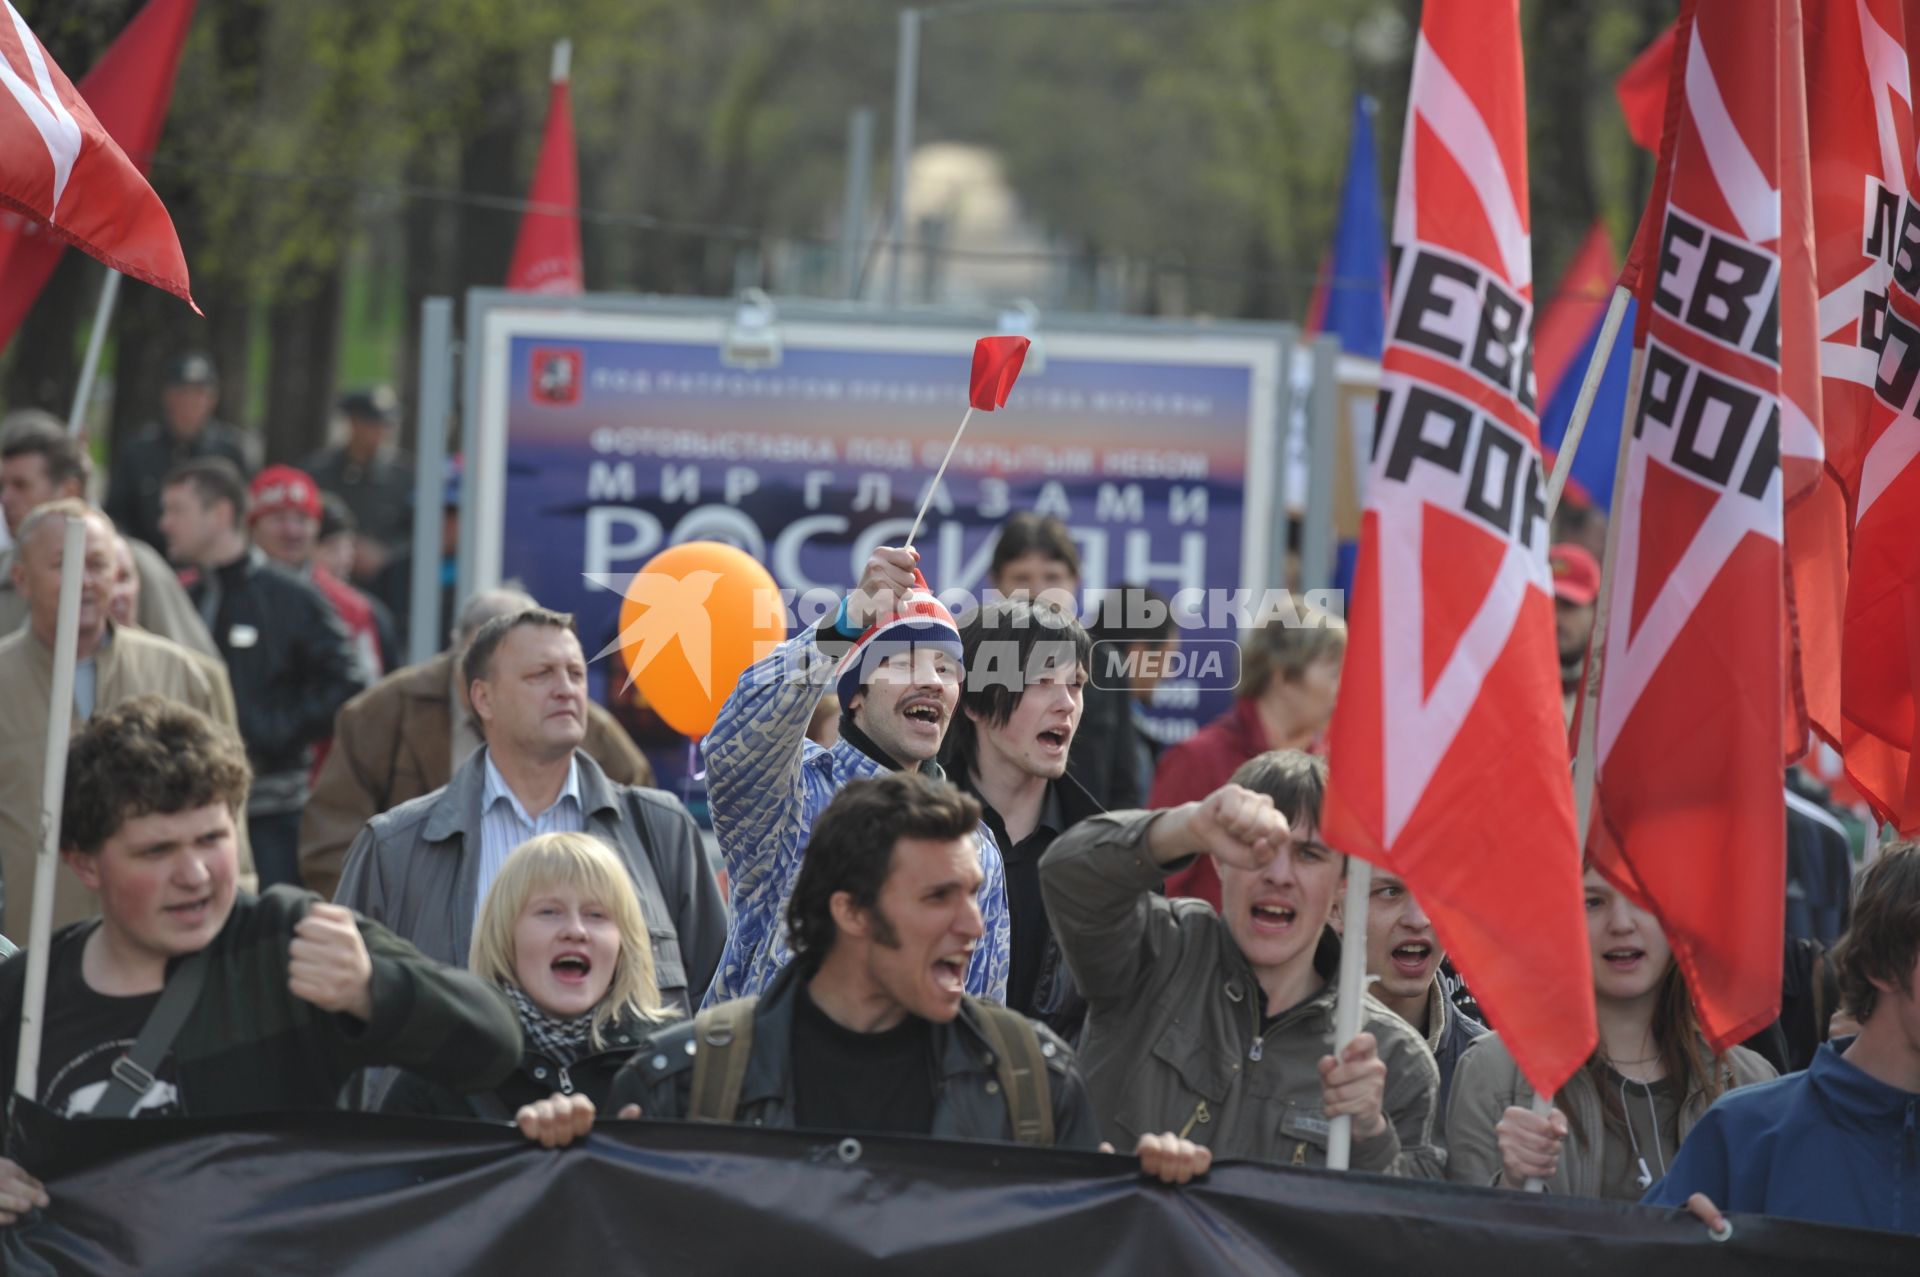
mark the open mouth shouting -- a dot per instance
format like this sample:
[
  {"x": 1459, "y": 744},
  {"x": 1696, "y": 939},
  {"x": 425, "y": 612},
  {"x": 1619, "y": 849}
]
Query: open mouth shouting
[
  {"x": 1272, "y": 917},
  {"x": 571, "y": 968},
  {"x": 1412, "y": 958},
  {"x": 950, "y": 972},
  {"x": 925, "y": 713},
  {"x": 1625, "y": 958},
  {"x": 1054, "y": 740}
]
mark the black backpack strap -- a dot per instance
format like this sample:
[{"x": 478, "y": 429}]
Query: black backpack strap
[
  {"x": 133, "y": 1073},
  {"x": 723, "y": 1039},
  {"x": 1022, "y": 1070}
]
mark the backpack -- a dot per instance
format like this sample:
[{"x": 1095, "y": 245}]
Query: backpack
[{"x": 724, "y": 1038}]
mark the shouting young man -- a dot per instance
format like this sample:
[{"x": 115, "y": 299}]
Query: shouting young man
[
  {"x": 893, "y": 653},
  {"x": 1019, "y": 716},
  {"x": 283, "y": 997},
  {"x": 1216, "y": 1025}
]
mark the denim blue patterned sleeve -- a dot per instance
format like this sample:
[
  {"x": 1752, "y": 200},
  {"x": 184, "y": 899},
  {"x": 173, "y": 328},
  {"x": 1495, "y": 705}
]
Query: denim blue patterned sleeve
[
  {"x": 753, "y": 756},
  {"x": 761, "y": 805},
  {"x": 987, "y": 973}
]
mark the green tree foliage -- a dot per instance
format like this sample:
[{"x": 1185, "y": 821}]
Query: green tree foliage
[{"x": 329, "y": 164}]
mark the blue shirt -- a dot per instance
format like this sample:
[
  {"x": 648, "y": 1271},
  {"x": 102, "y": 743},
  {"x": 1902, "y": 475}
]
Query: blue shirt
[
  {"x": 504, "y": 823},
  {"x": 1832, "y": 1144}
]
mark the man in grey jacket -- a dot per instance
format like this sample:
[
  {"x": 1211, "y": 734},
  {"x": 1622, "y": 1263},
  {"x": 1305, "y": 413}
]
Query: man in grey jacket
[
  {"x": 1218, "y": 1025},
  {"x": 424, "y": 867}
]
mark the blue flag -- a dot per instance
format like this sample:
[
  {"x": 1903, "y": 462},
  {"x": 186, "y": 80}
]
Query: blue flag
[
  {"x": 1599, "y": 453},
  {"x": 1356, "y": 294},
  {"x": 1356, "y": 307}
]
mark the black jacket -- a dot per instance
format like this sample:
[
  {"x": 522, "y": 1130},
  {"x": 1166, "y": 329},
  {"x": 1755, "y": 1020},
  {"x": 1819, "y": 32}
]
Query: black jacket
[
  {"x": 251, "y": 1046},
  {"x": 968, "y": 1105},
  {"x": 1051, "y": 998},
  {"x": 142, "y": 464},
  {"x": 537, "y": 1078},
  {"x": 1104, "y": 753},
  {"x": 289, "y": 657}
]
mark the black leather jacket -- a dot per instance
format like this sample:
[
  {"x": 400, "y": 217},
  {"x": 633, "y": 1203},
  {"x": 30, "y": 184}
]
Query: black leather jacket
[
  {"x": 289, "y": 657},
  {"x": 969, "y": 1105}
]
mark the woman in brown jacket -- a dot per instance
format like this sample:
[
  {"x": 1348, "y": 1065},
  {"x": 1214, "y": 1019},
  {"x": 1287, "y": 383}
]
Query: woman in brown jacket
[{"x": 1618, "y": 1122}]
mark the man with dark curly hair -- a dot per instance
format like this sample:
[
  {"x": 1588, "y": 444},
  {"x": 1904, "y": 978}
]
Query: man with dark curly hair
[
  {"x": 188, "y": 996},
  {"x": 1835, "y": 1143},
  {"x": 870, "y": 1027}
]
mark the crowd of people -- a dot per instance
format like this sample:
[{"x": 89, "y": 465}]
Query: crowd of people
[{"x": 965, "y": 887}]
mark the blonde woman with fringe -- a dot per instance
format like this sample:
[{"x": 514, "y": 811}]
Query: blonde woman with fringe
[{"x": 562, "y": 935}]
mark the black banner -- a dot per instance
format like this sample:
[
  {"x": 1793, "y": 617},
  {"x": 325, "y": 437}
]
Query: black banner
[{"x": 346, "y": 1194}]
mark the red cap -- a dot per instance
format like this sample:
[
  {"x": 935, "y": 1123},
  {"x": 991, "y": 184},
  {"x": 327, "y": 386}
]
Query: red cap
[
  {"x": 284, "y": 488},
  {"x": 1576, "y": 573}
]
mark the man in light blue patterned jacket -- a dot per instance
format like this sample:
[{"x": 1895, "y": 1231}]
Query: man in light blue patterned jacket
[{"x": 894, "y": 654}]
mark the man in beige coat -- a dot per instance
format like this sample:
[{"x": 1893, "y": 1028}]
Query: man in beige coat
[
  {"x": 40, "y": 462},
  {"x": 117, "y": 663},
  {"x": 407, "y": 734}
]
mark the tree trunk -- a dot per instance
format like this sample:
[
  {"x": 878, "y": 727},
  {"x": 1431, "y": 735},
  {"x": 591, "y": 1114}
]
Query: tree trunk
[
  {"x": 1564, "y": 204},
  {"x": 304, "y": 328}
]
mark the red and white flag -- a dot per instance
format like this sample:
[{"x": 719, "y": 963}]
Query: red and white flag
[
  {"x": 1447, "y": 749},
  {"x": 546, "y": 256},
  {"x": 1689, "y": 813},
  {"x": 1869, "y": 228},
  {"x": 63, "y": 172}
]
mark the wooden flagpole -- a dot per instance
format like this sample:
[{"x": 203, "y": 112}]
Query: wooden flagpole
[
  {"x": 1583, "y": 406},
  {"x": 66, "y": 642},
  {"x": 1347, "y": 998}
]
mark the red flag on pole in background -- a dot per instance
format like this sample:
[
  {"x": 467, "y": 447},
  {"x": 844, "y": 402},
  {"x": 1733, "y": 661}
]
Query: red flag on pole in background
[
  {"x": 1689, "y": 812},
  {"x": 76, "y": 159},
  {"x": 1642, "y": 90},
  {"x": 1569, "y": 316},
  {"x": 1856, "y": 70},
  {"x": 546, "y": 256},
  {"x": 1447, "y": 749},
  {"x": 1870, "y": 320}
]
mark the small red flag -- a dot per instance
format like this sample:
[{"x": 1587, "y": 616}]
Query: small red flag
[
  {"x": 62, "y": 168},
  {"x": 1642, "y": 90},
  {"x": 996, "y": 365}
]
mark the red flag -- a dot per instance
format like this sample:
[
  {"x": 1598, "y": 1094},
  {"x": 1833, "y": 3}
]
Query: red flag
[
  {"x": 1642, "y": 90},
  {"x": 1451, "y": 689},
  {"x": 996, "y": 364},
  {"x": 546, "y": 256},
  {"x": 76, "y": 159},
  {"x": 1870, "y": 325},
  {"x": 1689, "y": 812},
  {"x": 1576, "y": 306}
]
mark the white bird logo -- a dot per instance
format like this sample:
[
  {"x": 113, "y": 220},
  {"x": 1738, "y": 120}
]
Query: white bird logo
[{"x": 672, "y": 608}]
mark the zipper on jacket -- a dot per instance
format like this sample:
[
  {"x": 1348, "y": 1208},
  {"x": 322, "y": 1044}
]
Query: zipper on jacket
[
  {"x": 566, "y": 1081},
  {"x": 1202, "y": 1116},
  {"x": 1259, "y": 1046}
]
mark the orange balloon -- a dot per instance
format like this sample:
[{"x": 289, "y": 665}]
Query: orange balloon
[{"x": 694, "y": 618}]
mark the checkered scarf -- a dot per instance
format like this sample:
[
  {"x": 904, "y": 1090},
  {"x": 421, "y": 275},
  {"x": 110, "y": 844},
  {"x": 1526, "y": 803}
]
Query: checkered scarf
[{"x": 562, "y": 1041}]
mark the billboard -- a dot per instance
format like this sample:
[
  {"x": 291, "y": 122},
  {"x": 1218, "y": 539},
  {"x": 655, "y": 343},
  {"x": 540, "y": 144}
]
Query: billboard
[{"x": 603, "y": 437}]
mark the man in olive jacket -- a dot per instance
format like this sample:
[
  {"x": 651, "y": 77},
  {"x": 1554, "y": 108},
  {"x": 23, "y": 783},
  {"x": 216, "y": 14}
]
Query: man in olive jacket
[{"x": 1218, "y": 1025}]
